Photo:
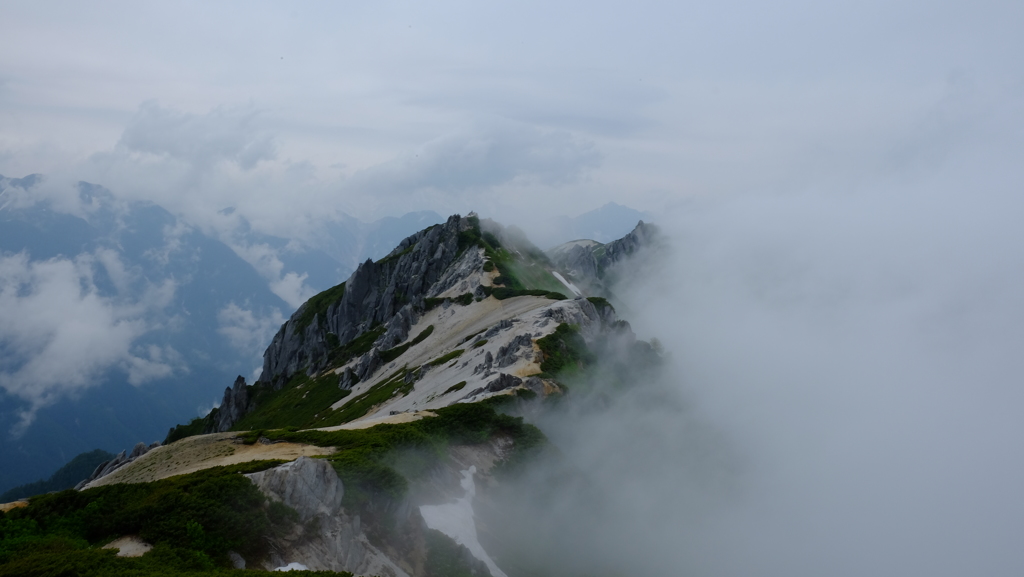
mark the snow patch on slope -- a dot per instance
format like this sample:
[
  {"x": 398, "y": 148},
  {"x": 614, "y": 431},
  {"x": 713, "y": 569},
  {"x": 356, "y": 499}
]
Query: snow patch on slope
[
  {"x": 567, "y": 284},
  {"x": 456, "y": 521}
]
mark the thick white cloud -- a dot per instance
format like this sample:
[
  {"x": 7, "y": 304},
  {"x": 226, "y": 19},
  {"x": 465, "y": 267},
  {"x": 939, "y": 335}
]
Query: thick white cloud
[
  {"x": 847, "y": 377},
  {"x": 58, "y": 334},
  {"x": 842, "y": 396}
]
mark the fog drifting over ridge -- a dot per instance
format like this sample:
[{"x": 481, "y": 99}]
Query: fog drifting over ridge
[{"x": 843, "y": 393}]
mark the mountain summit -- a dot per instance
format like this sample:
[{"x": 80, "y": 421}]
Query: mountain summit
[{"x": 457, "y": 312}]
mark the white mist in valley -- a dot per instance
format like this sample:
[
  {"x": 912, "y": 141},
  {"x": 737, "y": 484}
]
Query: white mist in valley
[{"x": 842, "y": 394}]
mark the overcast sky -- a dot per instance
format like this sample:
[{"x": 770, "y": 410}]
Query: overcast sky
[{"x": 292, "y": 110}]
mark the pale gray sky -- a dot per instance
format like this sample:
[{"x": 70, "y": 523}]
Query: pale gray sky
[{"x": 285, "y": 109}]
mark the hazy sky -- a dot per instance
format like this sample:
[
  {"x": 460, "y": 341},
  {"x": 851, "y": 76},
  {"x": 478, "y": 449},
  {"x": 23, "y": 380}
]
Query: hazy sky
[{"x": 300, "y": 109}]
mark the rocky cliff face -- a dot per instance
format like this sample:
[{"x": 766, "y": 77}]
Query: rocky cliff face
[
  {"x": 327, "y": 538},
  {"x": 377, "y": 294},
  {"x": 357, "y": 330}
]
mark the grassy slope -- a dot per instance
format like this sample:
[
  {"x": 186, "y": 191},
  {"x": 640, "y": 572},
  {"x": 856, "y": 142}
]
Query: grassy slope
[
  {"x": 297, "y": 404},
  {"x": 192, "y": 521},
  {"x": 364, "y": 457}
]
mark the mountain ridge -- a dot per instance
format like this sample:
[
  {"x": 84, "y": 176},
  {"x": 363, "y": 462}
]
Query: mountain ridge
[
  {"x": 404, "y": 382},
  {"x": 338, "y": 343}
]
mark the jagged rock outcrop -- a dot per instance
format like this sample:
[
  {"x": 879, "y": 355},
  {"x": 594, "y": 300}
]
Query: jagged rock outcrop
[
  {"x": 398, "y": 328},
  {"x": 502, "y": 382},
  {"x": 123, "y": 458},
  {"x": 580, "y": 262},
  {"x": 459, "y": 274},
  {"x": 584, "y": 315},
  {"x": 535, "y": 384},
  {"x": 233, "y": 407},
  {"x": 485, "y": 367},
  {"x": 369, "y": 363},
  {"x": 415, "y": 375},
  {"x": 373, "y": 295},
  {"x": 505, "y": 324},
  {"x": 508, "y": 353}
]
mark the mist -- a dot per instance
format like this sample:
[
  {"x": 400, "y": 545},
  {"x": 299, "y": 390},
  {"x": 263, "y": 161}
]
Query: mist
[{"x": 841, "y": 393}]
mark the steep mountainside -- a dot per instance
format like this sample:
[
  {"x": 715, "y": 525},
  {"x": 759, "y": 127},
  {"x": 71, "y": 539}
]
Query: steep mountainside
[
  {"x": 457, "y": 311},
  {"x": 399, "y": 383}
]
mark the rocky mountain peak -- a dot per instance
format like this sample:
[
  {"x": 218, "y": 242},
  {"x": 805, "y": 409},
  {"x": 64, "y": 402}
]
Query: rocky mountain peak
[
  {"x": 375, "y": 294},
  {"x": 458, "y": 312}
]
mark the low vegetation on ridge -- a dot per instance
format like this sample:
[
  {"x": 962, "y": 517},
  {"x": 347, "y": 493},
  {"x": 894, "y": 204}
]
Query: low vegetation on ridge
[
  {"x": 364, "y": 458},
  {"x": 191, "y": 520}
]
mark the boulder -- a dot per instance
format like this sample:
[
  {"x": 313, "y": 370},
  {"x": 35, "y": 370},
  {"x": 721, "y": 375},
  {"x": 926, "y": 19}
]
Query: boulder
[
  {"x": 507, "y": 354},
  {"x": 504, "y": 381},
  {"x": 501, "y": 326}
]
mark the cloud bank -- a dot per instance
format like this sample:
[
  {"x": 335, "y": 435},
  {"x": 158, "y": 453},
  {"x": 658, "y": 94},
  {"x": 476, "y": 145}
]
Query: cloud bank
[
  {"x": 59, "y": 334},
  {"x": 841, "y": 397}
]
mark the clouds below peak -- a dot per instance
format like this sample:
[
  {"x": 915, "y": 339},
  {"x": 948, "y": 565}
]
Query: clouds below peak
[{"x": 58, "y": 333}]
